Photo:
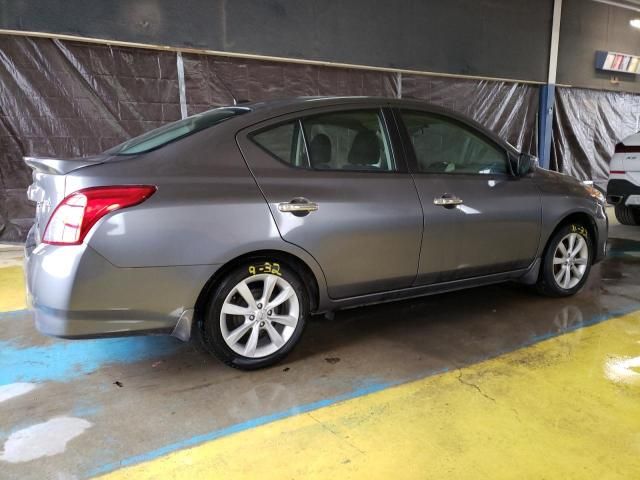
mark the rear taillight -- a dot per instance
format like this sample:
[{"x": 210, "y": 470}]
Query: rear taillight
[
  {"x": 613, "y": 172},
  {"x": 78, "y": 212}
]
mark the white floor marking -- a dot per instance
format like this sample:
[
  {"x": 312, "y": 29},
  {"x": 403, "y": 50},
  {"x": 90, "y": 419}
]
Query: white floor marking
[
  {"x": 15, "y": 390},
  {"x": 43, "y": 439}
]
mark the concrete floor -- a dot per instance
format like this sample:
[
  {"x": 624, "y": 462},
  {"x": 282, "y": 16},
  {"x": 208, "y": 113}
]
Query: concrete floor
[{"x": 84, "y": 408}]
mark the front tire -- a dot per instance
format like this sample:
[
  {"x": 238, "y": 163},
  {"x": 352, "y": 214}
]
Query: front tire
[
  {"x": 256, "y": 315},
  {"x": 627, "y": 215},
  {"x": 567, "y": 262}
]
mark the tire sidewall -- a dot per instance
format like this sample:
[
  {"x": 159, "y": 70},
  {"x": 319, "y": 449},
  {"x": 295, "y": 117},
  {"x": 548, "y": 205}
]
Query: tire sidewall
[
  {"x": 212, "y": 334},
  {"x": 547, "y": 272}
]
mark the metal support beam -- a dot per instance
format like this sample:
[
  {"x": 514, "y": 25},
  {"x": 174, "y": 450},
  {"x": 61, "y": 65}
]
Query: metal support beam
[
  {"x": 545, "y": 127},
  {"x": 547, "y": 92}
]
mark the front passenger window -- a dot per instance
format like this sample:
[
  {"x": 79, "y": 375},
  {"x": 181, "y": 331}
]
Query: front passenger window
[{"x": 443, "y": 146}]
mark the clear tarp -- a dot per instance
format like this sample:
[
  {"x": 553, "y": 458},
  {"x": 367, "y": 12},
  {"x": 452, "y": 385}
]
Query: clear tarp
[
  {"x": 586, "y": 127},
  {"x": 509, "y": 109},
  {"x": 70, "y": 99}
]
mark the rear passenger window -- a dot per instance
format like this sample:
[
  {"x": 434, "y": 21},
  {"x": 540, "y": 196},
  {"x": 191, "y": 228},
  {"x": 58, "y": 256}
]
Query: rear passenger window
[
  {"x": 353, "y": 140},
  {"x": 284, "y": 142}
]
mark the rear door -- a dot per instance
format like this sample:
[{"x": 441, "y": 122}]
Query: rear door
[
  {"x": 479, "y": 218},
  {"x": 337, "y": 188}
]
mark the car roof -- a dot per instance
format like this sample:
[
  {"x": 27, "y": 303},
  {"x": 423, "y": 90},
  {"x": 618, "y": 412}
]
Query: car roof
[
  {"x": 321, "y": 101},
  {"x": 271, "y": 108}
]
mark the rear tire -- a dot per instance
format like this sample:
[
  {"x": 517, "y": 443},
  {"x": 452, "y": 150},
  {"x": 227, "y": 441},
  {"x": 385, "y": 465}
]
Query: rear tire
[
  {"x": 566, "y": 262},
  {"x": 627, "y": 215},
  {"x": 255, "y": 315}
]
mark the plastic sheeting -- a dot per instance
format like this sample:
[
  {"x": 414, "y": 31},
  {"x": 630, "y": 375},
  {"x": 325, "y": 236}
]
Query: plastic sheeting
[
  {"x": 586, "y": 127},
  {"x": 72, "y": 99},
  {"x": 69, "y": 99},
  {"x": 509, "y": 109},
  {"x": 213, "y": 81}
]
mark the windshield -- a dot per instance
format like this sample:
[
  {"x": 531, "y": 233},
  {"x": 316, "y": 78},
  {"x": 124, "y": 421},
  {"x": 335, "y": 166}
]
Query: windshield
[{"x": 174, "y": 131}]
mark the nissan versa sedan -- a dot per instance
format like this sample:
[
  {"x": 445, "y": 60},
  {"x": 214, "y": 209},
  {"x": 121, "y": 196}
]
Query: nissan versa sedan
[{"x": 233, "y": 226}]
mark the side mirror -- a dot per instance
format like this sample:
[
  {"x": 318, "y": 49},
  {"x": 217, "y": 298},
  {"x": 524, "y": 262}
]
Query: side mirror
[{"x": 524, "y": 164}]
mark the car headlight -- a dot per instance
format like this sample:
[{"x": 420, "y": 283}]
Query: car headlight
[{"x": 594, "y": 192}]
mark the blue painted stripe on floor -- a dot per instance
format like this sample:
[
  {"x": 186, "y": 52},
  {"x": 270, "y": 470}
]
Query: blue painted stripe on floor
[
  {"x": 358, "y": 392},
  {"x": 239, "y": 427},
  {"x": 13, "y": 314},
  {"x": 65, "y": 360}
]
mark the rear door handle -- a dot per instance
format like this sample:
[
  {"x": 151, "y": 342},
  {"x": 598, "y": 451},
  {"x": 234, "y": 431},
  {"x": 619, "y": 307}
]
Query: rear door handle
[
  {"x": 298, "y": 206},
  {"x": 448, "y": 201}
]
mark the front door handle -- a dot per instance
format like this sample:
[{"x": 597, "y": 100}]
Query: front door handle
[
  {"x": 448, "y": 201},
  {"x": 298, "y": 206}
]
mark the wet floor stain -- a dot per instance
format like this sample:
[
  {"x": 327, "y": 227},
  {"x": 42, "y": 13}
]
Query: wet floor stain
[
  {"x": 43, "y": 439},
  {"x": 623, "y": 370},
  {"x": 12, "y": 390}
]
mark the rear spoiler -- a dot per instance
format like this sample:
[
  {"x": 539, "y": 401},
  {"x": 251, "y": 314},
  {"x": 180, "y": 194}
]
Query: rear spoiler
[{"x": 56, "y": 166}]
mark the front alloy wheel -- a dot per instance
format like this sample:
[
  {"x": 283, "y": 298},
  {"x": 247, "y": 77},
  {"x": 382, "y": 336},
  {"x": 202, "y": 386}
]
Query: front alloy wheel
[
  {"x": 256, "y": 315},
  {"x": 570, "y": 260},
  {"x": 566, "y": 262}
]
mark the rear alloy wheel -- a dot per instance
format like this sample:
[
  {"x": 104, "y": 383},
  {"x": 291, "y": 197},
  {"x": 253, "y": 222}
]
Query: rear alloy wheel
[
  {"x": 254, "y": 320},
  {"x": 567, "y": 262},
  {"x": 627, "y": 215}
]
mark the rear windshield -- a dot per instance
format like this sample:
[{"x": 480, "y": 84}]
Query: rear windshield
[{"x": 175, "y": 131}]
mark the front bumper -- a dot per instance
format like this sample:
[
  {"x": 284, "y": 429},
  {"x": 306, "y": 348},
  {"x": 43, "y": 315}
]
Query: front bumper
[{"x": 74, "y": 292}]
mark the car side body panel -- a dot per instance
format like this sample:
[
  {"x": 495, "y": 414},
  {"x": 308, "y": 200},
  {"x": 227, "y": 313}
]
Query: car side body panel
[
  {"x": 367, "y": 230},
  {"x": 563, "y": 196}
]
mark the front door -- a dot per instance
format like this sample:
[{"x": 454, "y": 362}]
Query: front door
[
  {"x": 336, "y": 188},
  {"x": 479, "y": 219}
]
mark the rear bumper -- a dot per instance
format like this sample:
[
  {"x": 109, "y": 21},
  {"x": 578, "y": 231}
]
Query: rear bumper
[
  {"x": 69, "y": 324},
  {"x": 623, "y": 192},
  {"x": 76, "y": 293}
]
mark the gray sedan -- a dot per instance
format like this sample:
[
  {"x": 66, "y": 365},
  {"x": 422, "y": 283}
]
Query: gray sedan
[{"x": 236, "y": 224}]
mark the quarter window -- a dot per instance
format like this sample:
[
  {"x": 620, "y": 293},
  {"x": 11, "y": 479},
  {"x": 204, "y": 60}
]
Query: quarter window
[
  {"x": 442, "y": 146},
  {"x": 284, "y": 142}
]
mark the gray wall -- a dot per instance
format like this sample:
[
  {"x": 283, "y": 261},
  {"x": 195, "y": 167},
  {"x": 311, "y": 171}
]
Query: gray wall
[
  {"x": 588, "y": 26},
  {"x": 494, "y": 38}
]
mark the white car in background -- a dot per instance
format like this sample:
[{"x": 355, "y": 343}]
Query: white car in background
[{"x": 623, "y": 189}]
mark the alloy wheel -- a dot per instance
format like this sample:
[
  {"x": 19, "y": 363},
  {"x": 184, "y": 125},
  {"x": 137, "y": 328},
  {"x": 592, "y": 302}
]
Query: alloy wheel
[
  {"x": 259, "y": 315},
  {"x": 570, "y": 260}
]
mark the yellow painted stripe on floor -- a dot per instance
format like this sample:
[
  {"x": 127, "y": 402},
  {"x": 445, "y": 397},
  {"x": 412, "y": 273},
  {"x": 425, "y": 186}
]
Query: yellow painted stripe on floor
[
  {"x": 564, "y": 408},
  {"x": 12, "y": 295}
]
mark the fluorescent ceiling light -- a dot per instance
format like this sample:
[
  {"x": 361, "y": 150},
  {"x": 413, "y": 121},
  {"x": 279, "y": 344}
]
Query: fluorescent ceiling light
[{"x": 635, "y": 23}]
